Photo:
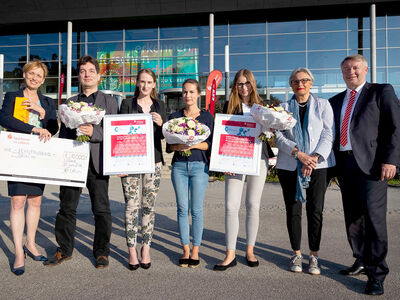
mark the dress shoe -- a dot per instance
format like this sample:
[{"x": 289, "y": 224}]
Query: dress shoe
[
  {"x": 101, "y": 262},
  {"x": 143, "y": 265},
  {"x": 374, "y": 287},
  {"x": 34, "y": 257},
  {"x": 134, "y": 267},
  {"x": 18, "y": 271},
  {"x": 194, "y": 263},
  {"x": 252, "y": 264},
  {"x": 356, "y": 269},
  {"x": 223, "y": 268},
  {"x": 56, "y": 259},
  {"x": 184, "y": 262}
]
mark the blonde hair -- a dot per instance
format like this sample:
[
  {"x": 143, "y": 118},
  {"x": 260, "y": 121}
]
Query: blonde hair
[
  {"x": 35, "y": 64},
  {"x": 235, "y": 101},
  {"x": 154, "y": 93},
  {"x": 356, "y": 57}
]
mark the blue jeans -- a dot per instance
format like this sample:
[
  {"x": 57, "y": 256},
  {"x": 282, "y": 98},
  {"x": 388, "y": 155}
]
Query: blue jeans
[{"x": 190, "y": 176}]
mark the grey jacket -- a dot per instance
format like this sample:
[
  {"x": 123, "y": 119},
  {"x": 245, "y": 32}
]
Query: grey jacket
[
  {"x": 321, "y": 128},
  {"x": 96, "y": 141}
]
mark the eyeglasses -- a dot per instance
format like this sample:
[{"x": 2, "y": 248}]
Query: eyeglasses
[
  {"x": 303, "y": 81},
  {"x": 241, "y": 84}
]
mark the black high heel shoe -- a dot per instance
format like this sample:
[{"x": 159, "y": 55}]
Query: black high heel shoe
[
  {"x": 252, "y": 264},
  {"x": 18, "y": 271},
  {"x": 134, "y": 267},
  {"x": 34, "y": 257},
  {"x": 143, "y": 265},
  {"x": 223, "y": 268}
]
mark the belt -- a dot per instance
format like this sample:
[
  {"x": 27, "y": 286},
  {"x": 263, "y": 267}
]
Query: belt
[{"x": 347, "y": 152}]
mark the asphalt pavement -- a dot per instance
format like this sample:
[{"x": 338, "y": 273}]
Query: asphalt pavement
[{"x": 79, "y": 279}]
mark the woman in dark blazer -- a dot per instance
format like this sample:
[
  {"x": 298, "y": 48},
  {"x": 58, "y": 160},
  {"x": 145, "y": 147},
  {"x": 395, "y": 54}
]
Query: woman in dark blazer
[
  {"x": 243, "y": 96},
  {"x": 145, "y": 100},
  {"x": 43, "y": 122}
]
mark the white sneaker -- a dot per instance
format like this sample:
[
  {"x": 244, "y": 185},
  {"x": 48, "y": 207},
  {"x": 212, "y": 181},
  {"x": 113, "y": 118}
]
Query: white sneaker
[
  {"x": 313, "y": 267},
  {"x": 295, "y": 264}
]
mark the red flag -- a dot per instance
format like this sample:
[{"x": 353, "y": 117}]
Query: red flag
[
  {"x": 213, "y": 96},
  {"x": 61, "y": 88},
  {"x": 215, "y": 76}
]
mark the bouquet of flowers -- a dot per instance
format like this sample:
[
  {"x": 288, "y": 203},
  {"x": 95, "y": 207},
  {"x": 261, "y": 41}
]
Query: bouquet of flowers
[
  {"x": 272, "y": 117},
  {"x": 186, "y": 131},
  {"x": 74, "y": 114}
]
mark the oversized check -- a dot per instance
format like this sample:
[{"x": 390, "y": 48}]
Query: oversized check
[
  {"x": 25, "y": 158},
  {"x": 236, "y": 147},
  {"x": 128, "y": 144}
]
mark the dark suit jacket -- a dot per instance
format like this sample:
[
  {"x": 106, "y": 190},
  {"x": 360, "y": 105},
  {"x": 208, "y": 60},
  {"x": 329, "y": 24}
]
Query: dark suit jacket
[
  {"x": 129, "y": 106},
  {"x": 109, "y": 103},
  {"x": 10, "y": 123},
  {"x": 266, "y": 148},
  {"x": 374, "y": 127}
]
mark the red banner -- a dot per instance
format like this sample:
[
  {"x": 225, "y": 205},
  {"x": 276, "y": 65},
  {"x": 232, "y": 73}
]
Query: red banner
[
  {"x": 61, "y": 88},
  {"x": 214, "y": 77}
]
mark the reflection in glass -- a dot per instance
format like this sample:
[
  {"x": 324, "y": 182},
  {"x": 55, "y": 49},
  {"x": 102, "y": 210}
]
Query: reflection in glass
[
  {"x": 245, "y": 29},
  {"x": 279, "y": 79},
  {"x": 328, "y": 78},
  {"x": 287, "y": 42},
  {"x": 13, "y": 53},
  {"x": 325, "y": 59},
  {"x": 380, "y": 57},
  {"x": 253, "y": 62},
  {"x": 394, "y": 57},
  {"x": 104, "y": 36},
  {"x": 286, "y": 61},
  {"x": 174, "y": 32},
  {"x": 394, "y": 38},
  {"x": 326, "y": 25},
  {"x": 44, "y": 52},
  {"x": 393, "y": 21},
  {"x": 248, "y": 44},
  {"x": 286, "y": 27},
  {"x": 11, "y": 40},
  {"x": 141, "y": 34},
  {"x": 13, "y": 70},
  {"x": 12, "y": 85},
  {"x": 327, "y": 41},
  {"x": 43, "y": 38}
]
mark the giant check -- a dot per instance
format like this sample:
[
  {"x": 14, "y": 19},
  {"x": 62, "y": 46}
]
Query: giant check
[
  {"x": 59, "y": 161},
  {"x": 235, "y": 146}
]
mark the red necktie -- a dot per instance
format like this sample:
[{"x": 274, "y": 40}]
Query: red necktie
[{"x": 346, "y": 119}]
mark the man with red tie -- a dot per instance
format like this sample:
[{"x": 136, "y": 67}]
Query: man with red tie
[{"x": 367, "y": 150}]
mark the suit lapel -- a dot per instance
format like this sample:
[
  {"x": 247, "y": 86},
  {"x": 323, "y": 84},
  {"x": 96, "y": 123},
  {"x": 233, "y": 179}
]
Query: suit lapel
[
  {"x": 360, "y": 102},
  {"x": 337, "y": 110}
]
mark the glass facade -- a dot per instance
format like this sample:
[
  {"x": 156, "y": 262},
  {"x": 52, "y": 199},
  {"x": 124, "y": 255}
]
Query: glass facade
[{"x": 270, "y": 49}]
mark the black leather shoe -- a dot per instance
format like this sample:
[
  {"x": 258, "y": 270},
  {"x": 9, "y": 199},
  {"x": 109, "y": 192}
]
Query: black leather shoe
[
  {"x": 194, "y": 263},
  {"x": 223, "y": 268},
  {"x": 356, "y": 269},
  {"x": 184, "y": 262},
  {"x": 134, "y": 267},
  {"x": 101, "y": 262},
  {"x": 252, "y": 264},
  {"x": 374, "y": 287},
  {"x": 145, "y": 266},
  {"x": 56, "y": 259}
]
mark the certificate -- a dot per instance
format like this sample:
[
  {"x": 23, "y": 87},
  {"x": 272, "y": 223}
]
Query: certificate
[
  {"x": 235, "y": 146},
  {"x": 128, "y": 144},
  {"x": 24, "y": 158}
]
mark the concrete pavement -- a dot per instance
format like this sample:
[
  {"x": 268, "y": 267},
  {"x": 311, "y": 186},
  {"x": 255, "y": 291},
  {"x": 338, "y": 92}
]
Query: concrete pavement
[{"x": 78, "y": 279}]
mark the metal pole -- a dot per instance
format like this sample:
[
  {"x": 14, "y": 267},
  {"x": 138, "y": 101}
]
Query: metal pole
[
  {"x": 226, "y": 72},
  {"x": 69, "y": 59},
  {"x": 1, "y": 78},
  {"x": 211, "y": 42},
  {"x": 373, "y": 43}
]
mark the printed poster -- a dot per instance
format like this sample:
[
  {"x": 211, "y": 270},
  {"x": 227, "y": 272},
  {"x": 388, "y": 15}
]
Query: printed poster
[
  {"x": 236, "y": 147},
  {"x": 128, "y": 144}
]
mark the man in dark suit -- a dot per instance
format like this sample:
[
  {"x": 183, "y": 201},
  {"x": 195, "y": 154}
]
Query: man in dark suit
[
  {"x": 367, "y": 150},
  {"x": 96, "y": 183}
]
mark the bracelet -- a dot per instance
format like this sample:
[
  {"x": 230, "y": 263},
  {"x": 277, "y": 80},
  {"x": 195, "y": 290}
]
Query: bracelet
[{"x": 295, "y": 154}]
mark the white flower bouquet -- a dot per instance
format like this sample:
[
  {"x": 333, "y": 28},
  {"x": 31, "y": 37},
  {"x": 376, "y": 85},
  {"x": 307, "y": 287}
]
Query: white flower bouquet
[
  {"x": 186, "y": 131},
  {"x": 270, "y": 116},
  {"x": 74, "y": 114}
]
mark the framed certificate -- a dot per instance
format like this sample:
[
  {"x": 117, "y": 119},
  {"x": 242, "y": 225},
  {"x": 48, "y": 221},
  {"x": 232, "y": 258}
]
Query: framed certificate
[
  {"x": 24, "y": 158},
  {"x": 235, "y": 146},
  {"x": 128, "y": 144}
]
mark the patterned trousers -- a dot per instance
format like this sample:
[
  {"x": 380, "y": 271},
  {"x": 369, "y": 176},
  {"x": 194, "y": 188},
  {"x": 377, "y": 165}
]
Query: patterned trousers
[{"x": 136, "y": 198}]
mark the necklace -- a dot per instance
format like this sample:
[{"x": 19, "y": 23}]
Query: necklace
[
  {"x": 303, "y": 105},
  {"x": 192, "y": 114}
]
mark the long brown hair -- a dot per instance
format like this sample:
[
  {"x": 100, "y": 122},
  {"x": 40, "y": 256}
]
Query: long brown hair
[
  {"x": 154, "y": 93},
  {"x": 235, "y": 101}
]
